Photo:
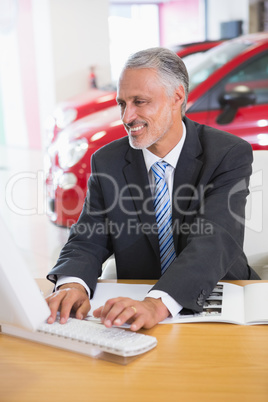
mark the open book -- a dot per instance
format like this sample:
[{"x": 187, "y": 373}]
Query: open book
[{"x": 228, "y": 303}]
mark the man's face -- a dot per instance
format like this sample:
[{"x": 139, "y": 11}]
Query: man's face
[{"x": 146, "y": 110}]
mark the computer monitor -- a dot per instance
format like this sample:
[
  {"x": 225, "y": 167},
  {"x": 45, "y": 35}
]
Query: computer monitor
[{"x": 21, "y": 303}]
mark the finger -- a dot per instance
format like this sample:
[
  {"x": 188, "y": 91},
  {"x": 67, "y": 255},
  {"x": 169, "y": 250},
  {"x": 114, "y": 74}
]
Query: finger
[
  {"x": 110, "y": 310},
  {"x": 109, "y": 305},
  {"x": 128, "y": 313},
  {"x": 120, "y": 312},
  {"x": 138, "y": 323},
  {"x": 73, "y": 298},
  {"x": 82, "y": 310},
  {"x": 97, "y": 312},
  {"x": 54, "y": 302}
]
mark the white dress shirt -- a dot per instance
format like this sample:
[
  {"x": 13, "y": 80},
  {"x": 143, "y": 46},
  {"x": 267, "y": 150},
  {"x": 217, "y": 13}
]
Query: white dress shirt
[{"x": 172, "y": 159}]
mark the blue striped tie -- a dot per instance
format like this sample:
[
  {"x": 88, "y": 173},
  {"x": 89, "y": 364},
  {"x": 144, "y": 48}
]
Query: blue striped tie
[{"x": 163, "y": 216}]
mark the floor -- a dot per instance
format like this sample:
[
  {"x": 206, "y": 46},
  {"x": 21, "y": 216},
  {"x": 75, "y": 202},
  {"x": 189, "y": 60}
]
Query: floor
[{"x": 23, "y": 209}]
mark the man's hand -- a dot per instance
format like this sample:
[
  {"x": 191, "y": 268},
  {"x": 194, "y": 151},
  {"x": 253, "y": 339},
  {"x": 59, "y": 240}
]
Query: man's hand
[
  {"x": 69, "y": 297},
  {"x": 120, "y": 310}
]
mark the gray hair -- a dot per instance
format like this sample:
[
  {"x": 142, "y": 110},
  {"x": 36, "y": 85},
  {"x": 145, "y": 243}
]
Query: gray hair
[{"x": 170, "y": 68}]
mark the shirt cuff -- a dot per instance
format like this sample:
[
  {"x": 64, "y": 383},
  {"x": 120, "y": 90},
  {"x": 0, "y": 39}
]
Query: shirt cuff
[
  {"x": 62, "y": 280},
  {"x": 171, "y": 304}
]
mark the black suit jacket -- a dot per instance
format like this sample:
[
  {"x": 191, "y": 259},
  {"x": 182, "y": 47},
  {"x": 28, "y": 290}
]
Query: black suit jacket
[{"x": 209, "y": 195}]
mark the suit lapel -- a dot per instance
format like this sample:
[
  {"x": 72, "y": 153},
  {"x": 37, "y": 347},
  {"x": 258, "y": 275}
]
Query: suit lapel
[
  {"x": 185, "y": 175},
  {"x": 136, "y": 175}
]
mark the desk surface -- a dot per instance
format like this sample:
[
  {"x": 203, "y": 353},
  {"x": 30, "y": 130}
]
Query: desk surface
[{"x": 192, "y": 362}]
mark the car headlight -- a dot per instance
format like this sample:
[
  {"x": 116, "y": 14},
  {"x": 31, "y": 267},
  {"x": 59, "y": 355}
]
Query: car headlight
[
  {"x": 72, "y": 152},
  {"x": 67, "y": 181},
  {"x": 64, "y": 117}
]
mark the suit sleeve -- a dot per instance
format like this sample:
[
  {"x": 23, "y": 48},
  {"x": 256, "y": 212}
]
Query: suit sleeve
[
  {"x": 213, "y": 248},
  {"x": 89, "y": 243}
]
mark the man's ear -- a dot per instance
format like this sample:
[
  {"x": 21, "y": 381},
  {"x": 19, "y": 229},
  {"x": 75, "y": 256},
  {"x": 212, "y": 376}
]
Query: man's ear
[{"x": 179, "y": 96}]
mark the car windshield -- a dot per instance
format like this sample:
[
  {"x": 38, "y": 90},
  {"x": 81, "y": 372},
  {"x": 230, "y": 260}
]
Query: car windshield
[{"x": 212, "y": 60}]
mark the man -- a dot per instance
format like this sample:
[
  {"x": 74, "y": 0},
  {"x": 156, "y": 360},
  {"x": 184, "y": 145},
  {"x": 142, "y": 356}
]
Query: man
[{"x": 203, "y": 175}]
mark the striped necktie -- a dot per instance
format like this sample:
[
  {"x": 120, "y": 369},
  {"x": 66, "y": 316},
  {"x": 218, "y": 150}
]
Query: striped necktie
[{"x": 162, "y": 208}]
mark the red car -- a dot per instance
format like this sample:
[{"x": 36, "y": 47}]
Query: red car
[
  {"x": 77, "y": 107},
  {"x": 228, "y": 90},
  {"x": 97, "y": 99},
  {"x": 186, "y": 49}
]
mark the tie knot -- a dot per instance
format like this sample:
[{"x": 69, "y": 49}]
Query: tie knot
[{"x": 159, "y": 170}]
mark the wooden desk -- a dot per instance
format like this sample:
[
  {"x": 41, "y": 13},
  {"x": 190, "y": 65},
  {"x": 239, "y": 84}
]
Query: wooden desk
[{"x": 192, "y": 362}]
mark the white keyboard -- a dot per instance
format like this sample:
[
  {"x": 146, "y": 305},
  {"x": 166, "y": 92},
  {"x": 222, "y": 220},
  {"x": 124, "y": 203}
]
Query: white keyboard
[{"x": 88, "y": 337}]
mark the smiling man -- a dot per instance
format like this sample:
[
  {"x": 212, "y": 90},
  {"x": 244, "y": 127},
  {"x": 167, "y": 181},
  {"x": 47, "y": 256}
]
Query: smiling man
[
  {"x": 151, "y": 117},
  {"x": 175, "y": 190}
]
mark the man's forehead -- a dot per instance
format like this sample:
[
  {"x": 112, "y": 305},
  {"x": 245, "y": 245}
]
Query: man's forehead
[
  {"x": 139, "y": 80},
  {"x": 132, "y": 72}
]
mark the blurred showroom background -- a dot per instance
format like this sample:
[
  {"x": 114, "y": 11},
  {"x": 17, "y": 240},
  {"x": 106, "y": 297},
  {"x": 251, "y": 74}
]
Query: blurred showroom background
[{"x": 46, "y": 50}]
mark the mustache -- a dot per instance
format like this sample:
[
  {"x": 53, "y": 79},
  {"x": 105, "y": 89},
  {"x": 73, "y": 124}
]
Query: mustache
[{"x": 135, "y": 123}]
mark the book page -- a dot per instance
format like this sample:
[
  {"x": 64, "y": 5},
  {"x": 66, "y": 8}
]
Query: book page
[
  {"x": 106, "y": 291},
  {"x": 256, "y": 303},
  {"x": 225, "y": 304}
]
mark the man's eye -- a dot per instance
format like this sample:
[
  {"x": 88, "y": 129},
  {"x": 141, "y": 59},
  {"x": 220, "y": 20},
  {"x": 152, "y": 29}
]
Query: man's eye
[{"x": 139, "y": 102}]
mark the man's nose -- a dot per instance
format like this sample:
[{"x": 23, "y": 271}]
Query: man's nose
[{"x": 129, "y": 114}]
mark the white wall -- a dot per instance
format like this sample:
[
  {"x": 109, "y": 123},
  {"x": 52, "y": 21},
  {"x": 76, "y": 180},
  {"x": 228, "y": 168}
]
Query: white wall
[
  {"x": 132, "y": 28},
  {"x": 46, "y": 48},
  {"x": 80, "y": 38},
  {"x": 44, "y": 61},
  {"x": 224, "y": 11}
]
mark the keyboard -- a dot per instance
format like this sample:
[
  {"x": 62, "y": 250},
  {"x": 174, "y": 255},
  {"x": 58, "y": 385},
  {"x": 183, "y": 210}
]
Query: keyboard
[{"x": 87, "y": 337}]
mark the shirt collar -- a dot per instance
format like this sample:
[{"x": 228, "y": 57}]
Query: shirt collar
[{"x": 171, "y": 158}]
